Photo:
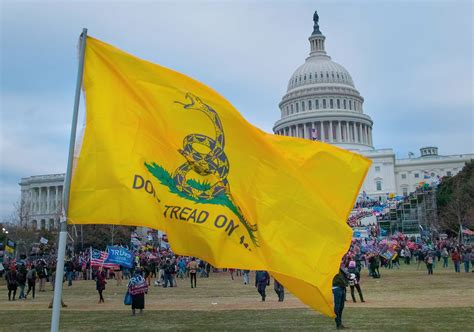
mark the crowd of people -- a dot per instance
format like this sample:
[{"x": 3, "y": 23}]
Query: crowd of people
[
  {"x": 158, "y": 267},
  {"x": 152, "y": 266}
]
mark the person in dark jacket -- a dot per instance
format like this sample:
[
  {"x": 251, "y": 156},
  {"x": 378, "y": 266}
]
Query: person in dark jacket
[
  {"x": 280, "y": 290},
  {"x": 12, "y": 282},
  {"x": 22, "y": 281},
  {"x": 339, "y": 284},
  {"x": 31, "y": 279},
  {"x": 168, "y": 269},
  {"x": 100, "y": 284},
  {"x": 69, "y": 267},
  {"x": 262, "y": 280}
]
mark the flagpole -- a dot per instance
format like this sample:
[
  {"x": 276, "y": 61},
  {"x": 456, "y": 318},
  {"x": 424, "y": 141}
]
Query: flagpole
[{"x": 58, "y": 283}]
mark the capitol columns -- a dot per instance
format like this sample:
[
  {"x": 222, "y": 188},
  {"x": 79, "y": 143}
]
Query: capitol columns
[
  {"x": 358, "y": 133},
  {"x": 331, "y": 136},
  {"x": 339, "y": 131},
  {"x": 368, "y": 135},
  {"x": 48, "y": 206}
]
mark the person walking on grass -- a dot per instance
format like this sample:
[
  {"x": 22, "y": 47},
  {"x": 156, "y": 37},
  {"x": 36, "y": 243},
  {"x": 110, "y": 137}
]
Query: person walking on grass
[
  {"x": 168, "y": 269},
  {"x": 456, "y": 258},
  {"x": 466, "y": 259},
  {"x": 22, "y": 281},
  {"x": 192, "y": 268},
  {"x": 245, "y": 276},
  {"x": 445, "y": 256},
  {"x": 262, "y": 280},
  {"x": 31, "y": 276},
  {"x": 429, "y": 260},
  {"x": 42, "y": 273},
  {"x": 339, "y": 284},
  {"x": 12, "y": 282},
  {"x": 279, "y": 289},
  {"x": 100, "y": 284},
  {"x": 137, "y": 287},
  {"x": 354, "y": 281}
]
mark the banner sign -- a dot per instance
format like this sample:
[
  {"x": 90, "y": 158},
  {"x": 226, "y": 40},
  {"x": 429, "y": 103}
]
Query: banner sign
[
  {"x": 43, "y": 240},
  {"x": 120, "y": 256}
]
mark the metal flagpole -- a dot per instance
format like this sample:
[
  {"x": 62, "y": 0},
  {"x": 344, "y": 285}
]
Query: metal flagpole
[{"x": 58, "y": 283}]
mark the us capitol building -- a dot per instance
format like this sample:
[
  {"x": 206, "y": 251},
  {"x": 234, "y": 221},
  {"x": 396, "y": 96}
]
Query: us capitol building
[{"x": 321, "y": 103}]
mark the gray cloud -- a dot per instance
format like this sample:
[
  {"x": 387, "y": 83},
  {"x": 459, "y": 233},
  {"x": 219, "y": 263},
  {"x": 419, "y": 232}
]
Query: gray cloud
[{"x": 412, "y": 62}]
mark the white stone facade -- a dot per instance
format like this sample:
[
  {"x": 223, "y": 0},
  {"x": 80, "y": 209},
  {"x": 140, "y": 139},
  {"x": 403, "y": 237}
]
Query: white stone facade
[
  {"x": 42, "y": 198},
  {"x": 323, "y": 104}
]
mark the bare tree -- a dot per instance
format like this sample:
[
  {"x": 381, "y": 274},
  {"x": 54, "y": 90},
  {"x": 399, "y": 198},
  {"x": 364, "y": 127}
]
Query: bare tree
[
  {"x": 456, "y": 201},
  {"x": 21, "y": 213}
]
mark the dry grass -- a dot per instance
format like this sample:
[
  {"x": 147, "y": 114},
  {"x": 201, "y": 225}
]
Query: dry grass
[{"x": 220, "y": 303}]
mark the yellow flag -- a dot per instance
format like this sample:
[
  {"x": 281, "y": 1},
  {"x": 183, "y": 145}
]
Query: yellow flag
[{"x": 164, "y": 151}]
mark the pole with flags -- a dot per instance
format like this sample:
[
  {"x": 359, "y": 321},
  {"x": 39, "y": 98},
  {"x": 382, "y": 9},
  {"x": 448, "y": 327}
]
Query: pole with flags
[{"x": 58, "y": 283}]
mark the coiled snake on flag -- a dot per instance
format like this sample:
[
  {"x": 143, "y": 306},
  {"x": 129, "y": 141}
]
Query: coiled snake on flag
[{"x": 213, "y": 162}]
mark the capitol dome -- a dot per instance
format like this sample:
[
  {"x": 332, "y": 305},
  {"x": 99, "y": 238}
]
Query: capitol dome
[
  {"x": 322, "y": 102},
  {"x": 319, "y": 70}
]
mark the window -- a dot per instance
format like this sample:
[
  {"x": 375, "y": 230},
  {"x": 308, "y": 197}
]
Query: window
[
  {"x": 291, "y": 108},
  {"x": 309, "y": 75},
  {"x": 448, "y": 173},
  {"x": 324, "y": 103},
  {"x": 331, "y": 103},
  {"x": 417, "y": 175},
  {"x": 338, "y": 103},
  {"x": 345, "y": 106},
  {"x": 404, "y": 176},
  {"x": 378, "y": 185},
  {"x": 317, "y": 104},
  {"x": 405, "y": 191},
  {"x": 304, "y": 78},
  {"x": 297, "y": 107},
  {"x": 310, "y": 107},
  {"x": 302, "y": 105},
  {"x": 350, "y": 104},
  {"x": 377, "y": 168},
  {"x": 327, "y": 75}
]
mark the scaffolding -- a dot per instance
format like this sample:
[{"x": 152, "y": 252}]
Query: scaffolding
[{"x": 417, "y": 214}]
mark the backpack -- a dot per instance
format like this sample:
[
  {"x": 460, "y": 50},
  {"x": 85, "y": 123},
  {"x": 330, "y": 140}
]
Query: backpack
[
  {"x": 170, "y": 269},
  {"x": 31, "y": 275}
]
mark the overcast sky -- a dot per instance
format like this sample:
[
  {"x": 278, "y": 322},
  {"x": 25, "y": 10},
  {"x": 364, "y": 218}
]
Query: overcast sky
[{"x": 411, "y": 61}]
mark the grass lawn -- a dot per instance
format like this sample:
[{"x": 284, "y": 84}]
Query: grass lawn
[{"x": 405, "y": 299}]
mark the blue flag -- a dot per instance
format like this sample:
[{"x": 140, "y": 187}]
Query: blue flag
[{"x": 120, "y": 256}]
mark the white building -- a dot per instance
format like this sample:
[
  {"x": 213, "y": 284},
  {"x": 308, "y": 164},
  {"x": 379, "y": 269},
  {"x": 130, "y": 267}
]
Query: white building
[
  {"x": 42, "y": 196},
  {"x": 323, "y": 104}
]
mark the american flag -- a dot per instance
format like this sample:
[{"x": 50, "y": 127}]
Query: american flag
[{"x": 98, "y": 258}]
